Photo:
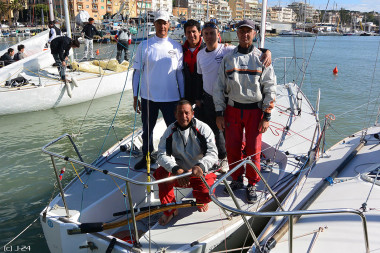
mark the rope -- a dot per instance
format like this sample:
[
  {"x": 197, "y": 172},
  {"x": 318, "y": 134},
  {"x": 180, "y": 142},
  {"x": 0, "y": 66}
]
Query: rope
[
  {"x": 20, "y": 233},
  {"x": 77, "y": 173}
]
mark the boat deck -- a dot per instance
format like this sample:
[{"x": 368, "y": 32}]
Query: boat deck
[{"x": 343, "y": 232}]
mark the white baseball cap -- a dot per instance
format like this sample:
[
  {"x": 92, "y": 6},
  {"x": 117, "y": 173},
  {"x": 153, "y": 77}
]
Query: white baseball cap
[{"x": 164, "y": 15}]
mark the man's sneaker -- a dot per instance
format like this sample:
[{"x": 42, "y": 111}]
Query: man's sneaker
[
  {"x": 235, "y": 185},
  {"x": 142, "y": 163},
  {"x": 223, "y": 166},
  {"x": 251, "y": 194}
]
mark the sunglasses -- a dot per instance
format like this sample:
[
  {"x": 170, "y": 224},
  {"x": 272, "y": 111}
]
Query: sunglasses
[{"x": 209, "y": 25}]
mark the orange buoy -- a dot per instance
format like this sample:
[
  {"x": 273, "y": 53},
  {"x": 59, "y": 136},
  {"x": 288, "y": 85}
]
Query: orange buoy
[
  {"x": 335, "y": 71},
  {"x": 97, "y": 52}
]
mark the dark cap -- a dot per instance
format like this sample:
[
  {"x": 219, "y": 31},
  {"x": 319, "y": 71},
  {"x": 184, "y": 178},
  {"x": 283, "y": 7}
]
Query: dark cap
[
  {"x": 90, "y": 19},
  {"x": 247, "y": 23},
  {"x": 51, "y": 22}
]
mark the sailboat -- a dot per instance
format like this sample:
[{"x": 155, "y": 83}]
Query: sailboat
[
  {"x": 338, "y": 202},
  {"x": 43, "y": 90},
  {"x": 110, "y": 206}
]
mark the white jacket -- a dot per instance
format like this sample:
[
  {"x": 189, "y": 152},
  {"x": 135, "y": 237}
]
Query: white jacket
[
  {"x": 243, "y": 79},
  {"x": 187, "y": 148}
]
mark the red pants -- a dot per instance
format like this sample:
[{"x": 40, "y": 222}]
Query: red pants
[
  {"x": 235, "y": 121},
  {"x": 166, "y": 191}
]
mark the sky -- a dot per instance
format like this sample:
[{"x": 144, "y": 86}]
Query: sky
[{"x": 353, "y": 5}]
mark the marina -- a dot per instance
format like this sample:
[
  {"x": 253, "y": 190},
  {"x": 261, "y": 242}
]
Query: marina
[{"x": 23, "y": 161}]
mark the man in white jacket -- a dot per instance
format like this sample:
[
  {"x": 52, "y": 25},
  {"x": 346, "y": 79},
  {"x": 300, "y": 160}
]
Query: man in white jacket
[{"x": 187, "y": 145}]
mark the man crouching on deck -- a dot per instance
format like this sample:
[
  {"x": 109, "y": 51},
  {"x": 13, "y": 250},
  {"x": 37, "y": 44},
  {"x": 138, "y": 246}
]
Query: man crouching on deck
[{"x": 187, "y": 145}]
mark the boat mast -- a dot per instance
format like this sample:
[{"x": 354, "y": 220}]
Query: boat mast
[
  {"x": 263, "y": 23},
  {"x": 67, "y": 18},
  {"x": 51, "y": 12},
  {"x": 207, "y": 12}
]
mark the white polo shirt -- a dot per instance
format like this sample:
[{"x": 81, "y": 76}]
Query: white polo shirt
[
  {"x": 208, "y": 65},
  {"x": 158, "y": 61}
]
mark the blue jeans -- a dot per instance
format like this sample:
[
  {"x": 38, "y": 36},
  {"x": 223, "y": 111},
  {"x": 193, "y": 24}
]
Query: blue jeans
[
  {"x": 61, "y": 68},
  {"x": 149, "y": 115}
]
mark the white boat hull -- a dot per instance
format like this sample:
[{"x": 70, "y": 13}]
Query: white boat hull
[{"x": 36, "y": 98}]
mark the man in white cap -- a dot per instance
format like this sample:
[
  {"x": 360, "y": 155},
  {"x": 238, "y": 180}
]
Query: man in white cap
[
  {"x": 158, "y": 80},
  {"x": 244, "y": 97}
]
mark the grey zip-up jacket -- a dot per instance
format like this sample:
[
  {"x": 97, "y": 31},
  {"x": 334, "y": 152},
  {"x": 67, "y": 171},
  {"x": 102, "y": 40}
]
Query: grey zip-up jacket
[
  {"x": 242, "y": 78},
  {"x": 176, "y": 151}
]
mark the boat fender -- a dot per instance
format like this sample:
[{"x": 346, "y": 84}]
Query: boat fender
[
  {"x": 75, "y": 82},
  {"x": 68, "y": 89}
]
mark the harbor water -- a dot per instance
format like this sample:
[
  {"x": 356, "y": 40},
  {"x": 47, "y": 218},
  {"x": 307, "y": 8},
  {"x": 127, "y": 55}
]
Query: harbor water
[{"x": 26, "y": 174}]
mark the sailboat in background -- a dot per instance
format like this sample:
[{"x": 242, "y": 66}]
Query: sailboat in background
[{"x": 43, "y": 89}]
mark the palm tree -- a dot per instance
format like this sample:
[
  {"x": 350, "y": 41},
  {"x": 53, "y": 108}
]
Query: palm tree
[
  {"x": 3, "y": 10},
  {"x": 16, "y": 6}
]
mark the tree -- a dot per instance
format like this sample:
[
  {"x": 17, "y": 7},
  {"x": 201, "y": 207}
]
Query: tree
[
  {"x": 16, "y": 6},
  {"x": 3, "y": 11}
]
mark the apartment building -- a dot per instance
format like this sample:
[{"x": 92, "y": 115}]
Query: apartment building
[
  {"x": 304, "y": 12},
  {"x": 180, "y": 8},
  {"x": 282, "y": 14}
]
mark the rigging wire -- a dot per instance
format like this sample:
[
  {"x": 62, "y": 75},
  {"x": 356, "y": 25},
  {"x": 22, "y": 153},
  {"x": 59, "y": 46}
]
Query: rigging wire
[{"x": 370, "y": 92}]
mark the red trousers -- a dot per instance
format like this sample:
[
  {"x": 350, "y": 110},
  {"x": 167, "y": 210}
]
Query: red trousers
[
  {"x": 166, "y": 191},
  {"x": 236, "y": 120}
]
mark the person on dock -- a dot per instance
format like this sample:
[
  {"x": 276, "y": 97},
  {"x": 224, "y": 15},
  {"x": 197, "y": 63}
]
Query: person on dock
[
  {"x": 54, "y": 31},
  {"x": 208, "y": 63},
  {"x": 20, "y": 54},
  {"x": 89, "y": 30},
  {"x": 244, "y": 97},
  {"x": 60, "y": 48},
  {"x": 158, "y": 64},
  {"x": 187, "y": 145},
  {"x": 124, "y": 39},
  {"x": 7, "y": 57}
]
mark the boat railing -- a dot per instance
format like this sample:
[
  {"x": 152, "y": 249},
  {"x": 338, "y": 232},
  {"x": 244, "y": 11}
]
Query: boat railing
[
  {"x": 88, "y": 167},
  {"x": 243, "y": 213},
  {"x": 293, "y": 61}
]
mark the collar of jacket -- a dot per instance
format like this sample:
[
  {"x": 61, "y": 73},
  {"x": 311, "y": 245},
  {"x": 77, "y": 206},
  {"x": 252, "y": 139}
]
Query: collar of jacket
[{"x": 245, "y": 50}]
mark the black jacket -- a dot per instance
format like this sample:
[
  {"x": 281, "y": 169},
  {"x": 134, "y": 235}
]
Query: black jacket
[
  {"x": 57, "y": 32},
  {"x": 6, "y": 58},
  {"x": 61, "y": 46},
  {"x": 193, "y": 81},
  {"x": 89, "y": 31}
]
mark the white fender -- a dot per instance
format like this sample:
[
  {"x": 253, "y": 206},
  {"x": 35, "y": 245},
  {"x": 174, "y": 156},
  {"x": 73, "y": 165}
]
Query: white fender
[
  {"x": 68, "y": 89},
  {"x": 75, "y": 82}
]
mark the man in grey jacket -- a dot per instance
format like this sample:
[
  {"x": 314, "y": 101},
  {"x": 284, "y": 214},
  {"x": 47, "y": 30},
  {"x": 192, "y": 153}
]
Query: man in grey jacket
[
  {"x": 187, "y": 145},
  {"x": 244, "y": 97}
]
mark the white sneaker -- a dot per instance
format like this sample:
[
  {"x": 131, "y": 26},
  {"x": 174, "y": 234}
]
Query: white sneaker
[{"x": 223, "y": 165}]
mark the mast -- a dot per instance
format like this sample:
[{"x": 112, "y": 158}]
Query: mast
[
  {"x": 207, "y": 12},
  {"x": 51, "y": 12},
  {"x": 67, "y": 18},
  {"x": 263, "y": 23}
]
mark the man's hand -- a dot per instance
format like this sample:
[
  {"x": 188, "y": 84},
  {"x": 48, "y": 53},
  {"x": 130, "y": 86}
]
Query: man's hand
[
  {"x": 183, "y": 181},
  {"x": 263, "y": 126},
  {"x": 220, "y": 122},
  {"x": 196, "y": 171},
  {"x": 266, "y": 58},
  {"x": 136, "y": 105},
  {"x": 64, "y": 63}
]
